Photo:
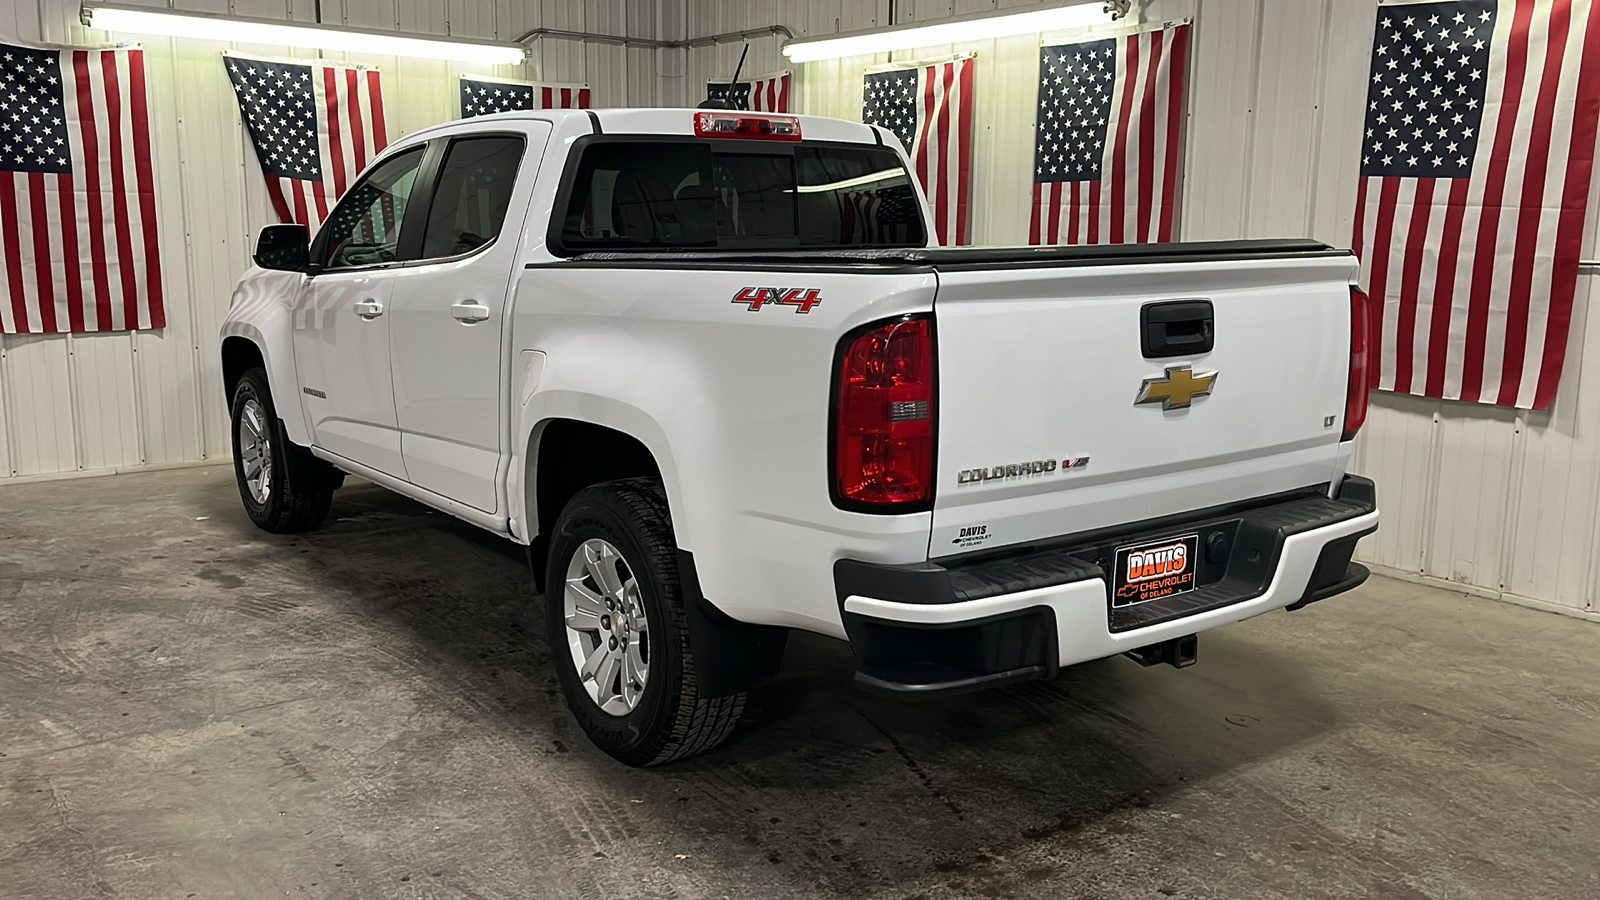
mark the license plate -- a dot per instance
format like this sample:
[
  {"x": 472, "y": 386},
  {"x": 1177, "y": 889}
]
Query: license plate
[{"x": 1155, "y": 569}]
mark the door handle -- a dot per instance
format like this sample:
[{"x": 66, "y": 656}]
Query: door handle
[
  {"x": 1177, "y": 328},
  {"x": 469, "y": 311},
  {"x": 369, "y": 309}
]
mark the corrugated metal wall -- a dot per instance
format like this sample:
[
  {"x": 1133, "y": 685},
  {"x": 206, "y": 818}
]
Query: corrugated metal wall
[
  {"x": 84, "y": 403},
  {"x": 1498, "y": 502}
]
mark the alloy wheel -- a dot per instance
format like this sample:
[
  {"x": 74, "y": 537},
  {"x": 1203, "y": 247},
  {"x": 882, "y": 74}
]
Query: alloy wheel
[
  {"x": 607, "y": 631},
  {"x": 255, "y": 451}
]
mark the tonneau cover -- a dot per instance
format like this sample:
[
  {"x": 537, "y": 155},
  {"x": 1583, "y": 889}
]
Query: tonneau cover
[{"x": 967, "y": 258}]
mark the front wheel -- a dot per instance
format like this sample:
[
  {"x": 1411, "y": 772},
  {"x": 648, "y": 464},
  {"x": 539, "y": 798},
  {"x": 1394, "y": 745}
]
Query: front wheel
[
  {"x": 617, "y": 629},
  {"x": 261, "y": 458}
]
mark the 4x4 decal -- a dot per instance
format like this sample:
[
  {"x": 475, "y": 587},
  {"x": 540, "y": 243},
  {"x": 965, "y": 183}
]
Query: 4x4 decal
[{"x": 802, "y": 299}]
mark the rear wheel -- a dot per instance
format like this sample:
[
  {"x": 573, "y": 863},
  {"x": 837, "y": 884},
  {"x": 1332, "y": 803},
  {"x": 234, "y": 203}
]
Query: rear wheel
[
  {"x": 262, "y": 462},
  {"x": 618, "y": 633}
]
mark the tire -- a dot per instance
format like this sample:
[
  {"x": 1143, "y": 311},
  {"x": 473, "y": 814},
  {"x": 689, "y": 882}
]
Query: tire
[
  {"x": 263, "y": 458},
  {"x": 665, "y": 718}
]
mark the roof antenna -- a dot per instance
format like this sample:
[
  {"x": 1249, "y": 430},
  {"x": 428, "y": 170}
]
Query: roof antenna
[
  {"x": 727, "y": 101},
  {"x": 733, "y": 88}
]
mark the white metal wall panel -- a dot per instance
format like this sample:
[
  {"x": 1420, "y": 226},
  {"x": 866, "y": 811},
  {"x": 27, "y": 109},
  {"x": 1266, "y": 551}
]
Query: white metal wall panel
[
  {"x": 104, "y": 402},
  {"x": 1221, "y": 119},
  {"x": 1284, "y": 132},
  {"x": 39, "y": 395}
]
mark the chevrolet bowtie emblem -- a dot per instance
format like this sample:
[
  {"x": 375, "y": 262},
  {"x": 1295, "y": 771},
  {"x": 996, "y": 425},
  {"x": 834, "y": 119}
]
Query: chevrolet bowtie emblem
[{"x": 1177, "y": 388}]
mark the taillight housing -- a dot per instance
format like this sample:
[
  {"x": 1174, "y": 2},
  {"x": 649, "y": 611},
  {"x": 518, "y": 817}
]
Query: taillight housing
[
  {"x": 746, "y": 125},
  {"x": 1355, "y": 398},
  {"x": 883, "y": 415}
]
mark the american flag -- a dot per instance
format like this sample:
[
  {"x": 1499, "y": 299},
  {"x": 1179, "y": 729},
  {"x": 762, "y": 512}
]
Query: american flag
[
  {"x": 1477, "y": 150},
  {"x": 480, "y": 97},
  {"x": 769, "y": 93},
  {"x": 881, "y": 216},
  {"x": 78, "y": 245},
  {"x": 1108, "y": 144},
  {"x": 315, "y": 126},
  {"x": 928, "y": 106}
]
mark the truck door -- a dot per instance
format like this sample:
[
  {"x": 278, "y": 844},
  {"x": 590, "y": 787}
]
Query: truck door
[
  {"x": 448, "y": 311},
  {"x": 341, "y": 322}
]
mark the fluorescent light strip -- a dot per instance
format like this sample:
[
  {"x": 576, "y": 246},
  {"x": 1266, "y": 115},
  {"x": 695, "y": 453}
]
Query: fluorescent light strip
[
  {"x": 960, "y": 31},
  {"x": 859, "y": 181},
  {"x": 247, "y": 30}
]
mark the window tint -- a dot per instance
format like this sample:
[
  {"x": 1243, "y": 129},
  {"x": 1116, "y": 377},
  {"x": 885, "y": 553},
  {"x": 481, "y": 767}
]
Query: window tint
[
  {"x": 364, "y": 229},
  {"x": 469, "y": 205},
  {"x": 692, "y": 195}
]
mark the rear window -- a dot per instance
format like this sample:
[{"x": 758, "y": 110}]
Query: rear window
[{"x": 702, "y": 195}]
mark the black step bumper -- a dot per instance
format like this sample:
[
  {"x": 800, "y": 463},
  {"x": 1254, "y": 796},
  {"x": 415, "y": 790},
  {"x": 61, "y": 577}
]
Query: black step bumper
[{"x": 904, "y": 625}]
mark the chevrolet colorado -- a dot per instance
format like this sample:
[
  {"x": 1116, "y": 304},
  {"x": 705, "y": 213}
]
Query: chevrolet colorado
[{"x": 708, "y": 368}]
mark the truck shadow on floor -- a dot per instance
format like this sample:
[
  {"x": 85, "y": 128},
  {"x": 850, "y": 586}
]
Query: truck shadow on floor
[{"x": 823, "y": 787}]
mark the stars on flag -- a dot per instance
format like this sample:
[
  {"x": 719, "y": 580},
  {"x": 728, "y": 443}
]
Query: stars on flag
[
  {"x": 482, "y": 98},
  {"x": 1426, "y": 93},
  {"x": 279, "y": 106},
  {"x": 1076, "y": 82},
  {"x": 33, "y": 130}
]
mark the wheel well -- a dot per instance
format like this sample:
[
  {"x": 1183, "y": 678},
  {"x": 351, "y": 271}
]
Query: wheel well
[
  {"x": 239, "y": 355},
  {"x": 572, "y": 456}
]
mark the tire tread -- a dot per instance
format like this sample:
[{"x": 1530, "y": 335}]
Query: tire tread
[
  {"x": 701, "y": 723},
  {"x": 291, "y": 510}
]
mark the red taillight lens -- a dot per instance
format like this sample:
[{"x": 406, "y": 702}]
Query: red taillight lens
[
  {"x": 1355, "y": 398},
  {"x": 883, "y": 421},
  {"x": 745, "y": 125}
]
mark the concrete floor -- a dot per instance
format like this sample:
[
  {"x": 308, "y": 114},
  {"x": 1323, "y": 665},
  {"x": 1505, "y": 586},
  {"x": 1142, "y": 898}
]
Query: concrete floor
[{"x": 192, "y": 708}]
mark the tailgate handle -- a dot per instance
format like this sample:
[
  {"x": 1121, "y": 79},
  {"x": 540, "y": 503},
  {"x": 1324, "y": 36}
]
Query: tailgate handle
[{"x": 1176, "y": 328}]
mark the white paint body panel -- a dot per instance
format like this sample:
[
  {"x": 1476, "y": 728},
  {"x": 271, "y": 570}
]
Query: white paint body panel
[
  {"x": 450, "y": 392},
  {"x": 1044, "y": 363},
  {"x": 345, "y": 356},
  {"x": 734, "y": 404}
]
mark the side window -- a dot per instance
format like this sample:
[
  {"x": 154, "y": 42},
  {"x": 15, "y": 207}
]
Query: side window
[
  {"x": 364, "y": 229},
  {"x": 469, "y": 205}
]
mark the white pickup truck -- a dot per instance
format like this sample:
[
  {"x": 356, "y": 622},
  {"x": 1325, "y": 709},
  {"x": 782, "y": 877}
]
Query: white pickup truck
[{"x": 706, "y": 366}]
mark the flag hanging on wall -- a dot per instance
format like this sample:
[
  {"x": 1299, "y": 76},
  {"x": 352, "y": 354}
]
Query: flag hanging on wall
[
  {"x": 483, "y": 96},
  {"x": 78, "y": 243},
  {"x": 1475, "y": 164},
  {"x": 769, "y": 93},
  {"x": 315, "y": 126},
  {"x": 928, "y": 106},
  {"x": 1108, "y": 147}
]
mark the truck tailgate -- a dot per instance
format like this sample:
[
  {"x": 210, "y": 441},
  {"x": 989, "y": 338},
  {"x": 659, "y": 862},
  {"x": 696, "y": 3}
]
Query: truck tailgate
[{"x": 1041, "y": 360}]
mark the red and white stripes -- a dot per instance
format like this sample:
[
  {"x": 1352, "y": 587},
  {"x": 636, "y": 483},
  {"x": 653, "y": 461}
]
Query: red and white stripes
[
  {"x": 770, "y": 93},
  {"x": 1135, "y": 199},
  {"x": 79, "y": 249},
  {"x": 562, "y": 96},
  {"x": 350, "y": 133},
  {"x": 1472, "y": 279},
  {"x": 941, "y": 147}
]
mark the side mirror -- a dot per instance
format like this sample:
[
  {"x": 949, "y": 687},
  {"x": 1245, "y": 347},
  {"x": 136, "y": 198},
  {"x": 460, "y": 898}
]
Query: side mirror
[{"x": 283, "y": 247}]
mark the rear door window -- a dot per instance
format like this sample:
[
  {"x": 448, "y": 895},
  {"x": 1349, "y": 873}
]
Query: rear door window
[
  {"x": 696, "y": 195},
  {"x": 473, "y": 193}
]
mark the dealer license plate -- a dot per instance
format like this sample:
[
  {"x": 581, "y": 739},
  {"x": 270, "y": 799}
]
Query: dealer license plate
[{"x": 1155, "y": 569}]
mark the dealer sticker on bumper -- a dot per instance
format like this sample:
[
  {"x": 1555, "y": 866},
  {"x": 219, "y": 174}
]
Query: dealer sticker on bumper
[{"x": 1155, "y": 569}]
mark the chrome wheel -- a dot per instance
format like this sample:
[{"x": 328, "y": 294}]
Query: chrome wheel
[
  {"x": 607, "y": 632},
  {"x": 255, "y": 451}
]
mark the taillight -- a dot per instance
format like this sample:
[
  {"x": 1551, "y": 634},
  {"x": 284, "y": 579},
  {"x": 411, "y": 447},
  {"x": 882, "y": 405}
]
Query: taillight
[
  {"x": 745, "y": 125},
  {"x": 1355, "y": 398},
  {"x": 883, "y": 418}
]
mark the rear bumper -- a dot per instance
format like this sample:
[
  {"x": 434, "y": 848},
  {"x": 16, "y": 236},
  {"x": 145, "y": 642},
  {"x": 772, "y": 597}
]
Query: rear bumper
[{"x": 969, "y": 624}]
